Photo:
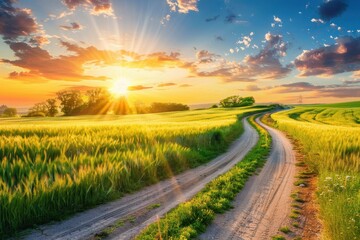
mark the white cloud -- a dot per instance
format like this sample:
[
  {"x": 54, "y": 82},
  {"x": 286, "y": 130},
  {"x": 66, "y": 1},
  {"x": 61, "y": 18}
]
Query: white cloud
[
  {"x": 277, "y": 19},
  {"x": 183, "y": 6}
]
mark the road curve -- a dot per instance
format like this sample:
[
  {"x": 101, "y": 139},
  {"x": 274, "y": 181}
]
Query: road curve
[
  {"x": 169, "y": 193},
  {"x": 263, "y": 205}
]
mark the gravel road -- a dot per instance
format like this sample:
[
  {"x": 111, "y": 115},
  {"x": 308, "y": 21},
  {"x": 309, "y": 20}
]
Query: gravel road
[
  {"x": 263, "y": 206},
  {"x": 168, "y": 193}
]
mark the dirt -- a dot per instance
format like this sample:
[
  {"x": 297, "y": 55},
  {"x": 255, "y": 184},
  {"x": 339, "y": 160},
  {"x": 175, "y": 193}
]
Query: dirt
[
  {"x": 168, "y": 193},
  {"x": 264, "y": 205}
]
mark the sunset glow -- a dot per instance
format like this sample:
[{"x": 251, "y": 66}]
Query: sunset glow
[
  {"x": 119, "y": 87},
  {"x": 187, "y": 51}
]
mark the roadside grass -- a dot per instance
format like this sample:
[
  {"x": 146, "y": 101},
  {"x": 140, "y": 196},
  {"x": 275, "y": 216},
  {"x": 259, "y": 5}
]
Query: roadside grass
[
  {"x": 189, "y": 219},
  {"x": 329, "y": 137},
  {"x": 53, "y": 167}
]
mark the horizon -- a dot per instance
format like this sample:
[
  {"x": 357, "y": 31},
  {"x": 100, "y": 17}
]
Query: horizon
[{"x": 187, "y": 51}]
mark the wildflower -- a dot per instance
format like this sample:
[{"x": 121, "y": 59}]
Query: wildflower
[{"x": 348, "y": 178}]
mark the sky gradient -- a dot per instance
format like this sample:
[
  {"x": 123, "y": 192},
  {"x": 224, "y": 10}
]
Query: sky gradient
[{"x": 186, "y": 51}]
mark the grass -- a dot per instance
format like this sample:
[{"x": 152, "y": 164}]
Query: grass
[
  {"x": 329, "y": 136},
  {"x": 285, "y": 229},
  {"x": 52, "y": 167},
  {"x": 189, "y": 219},
  {"x": 278, "y": 237}
]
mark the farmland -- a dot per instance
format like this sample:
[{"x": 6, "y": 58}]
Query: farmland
[
  {"x": 329, "y": 136},
  {"x": 53, "y": 167}
]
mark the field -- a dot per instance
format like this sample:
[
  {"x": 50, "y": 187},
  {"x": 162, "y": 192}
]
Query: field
[
  {"x": 52, "y": 167},
  {"x": 330, "y": 137}
]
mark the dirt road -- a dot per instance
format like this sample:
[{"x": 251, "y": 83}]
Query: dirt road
[
  {"x": 168, "y": 194},
  {"x": 263, "y": 206}
]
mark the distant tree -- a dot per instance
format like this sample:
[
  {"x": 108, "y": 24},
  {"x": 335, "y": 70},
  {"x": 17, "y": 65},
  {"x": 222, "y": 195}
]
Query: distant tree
[
  {"x": 98, "y": 101},
  {"x": 52, "y": 107},
  {"x": 10, "y": 112},
  {"x": 2, "y": 108},
  {"x": 167, "y": 107},
  {"x": 214, "y": 106},
  {"x": 237, "y": 101},
  {"x": 39, "y": 109},
  {"x": 71, "y": 102}
]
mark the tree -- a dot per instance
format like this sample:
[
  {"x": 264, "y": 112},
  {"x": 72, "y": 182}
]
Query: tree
[
  {"x": 52, "y": 107},
  {"x": 98, "y": 101},
  {"x": 39, "y": 109},
  {"x": 237, "y": 101},
  {"x": 167, "y": 107},
  {"x": 2, "y": 108},
  {"x": 71, "y": 102},
  {"x": 10, "y": 112}
]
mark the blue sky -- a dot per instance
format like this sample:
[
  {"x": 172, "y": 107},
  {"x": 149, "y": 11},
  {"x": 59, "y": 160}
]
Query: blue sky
[{"x": 219, "y": 47}]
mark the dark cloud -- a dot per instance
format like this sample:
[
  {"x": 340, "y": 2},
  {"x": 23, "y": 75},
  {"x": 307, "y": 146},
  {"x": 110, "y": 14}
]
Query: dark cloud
[
  {"x": 137, "y": 88},
  {"x": 97, "y": 6},
  {"x": 326, "y": 61},
  {"x": 232, "y": 18},
  {"x": 16, "y": 22},
  {"x": 356, "y": 81},
  {"x": 73, "y": 26},
  {"x": 166, "y": 84},
  {"x": 212, "y": 18},
  {"x": 332, "y": 8},
  {"x": 333, "y": 90},
  {"x": 219, "y": 38},
  {"x": 204, "y": 56}
]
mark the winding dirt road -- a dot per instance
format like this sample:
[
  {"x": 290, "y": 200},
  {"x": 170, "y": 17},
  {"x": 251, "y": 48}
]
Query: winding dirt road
[
  {"x": 168, "y": 194},
  {"x": 263, "y": 206}
]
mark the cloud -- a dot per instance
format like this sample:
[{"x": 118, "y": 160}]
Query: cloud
[
  {"x": 219, "y": 38},
  {"x": 185, "y": 85},
  {"x": 232, "y": 18},
  {"x": 137, "y": 88},
  {"x": 332, "y": 8},
  {"x": 212, "y": 18},
  {"x": 16, "y": 22},
  {"x": 348, "y": 82},
  {"x": 277, "y": 19},
  {"x": 165, "y": 19},
  {"x": 318, "y": 20},
  {"x": 265, "y": 65},
  {"x": 38, "y": 64},
  {"x": 73, "y": 26},
  {"x": 166, "y": 84},
  {"x": 246, "y": 40},
  {"x": 334, "y": 90},
  {"x": 204, "y": 56},
  {"x": 97, "y": 7},
  {"x": 334, "y": 59},
  {"x": 183, "y": 6}
]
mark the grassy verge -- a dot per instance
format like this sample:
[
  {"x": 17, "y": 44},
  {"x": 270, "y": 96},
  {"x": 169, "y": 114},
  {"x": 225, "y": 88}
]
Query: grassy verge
[
  {"x": 190, "y": 219},
  {"x": 330, "y": 144}
]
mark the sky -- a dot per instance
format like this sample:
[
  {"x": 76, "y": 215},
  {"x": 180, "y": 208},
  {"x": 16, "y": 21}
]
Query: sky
[{"x": 187, "y": 51}]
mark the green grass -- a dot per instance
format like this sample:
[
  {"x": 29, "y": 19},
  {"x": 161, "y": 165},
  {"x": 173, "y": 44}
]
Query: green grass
[
  {"x": 52, "y": 167},
  {"x": 329, "y": 136},
  {"x": 278, "y": 237},
  {"x": 190, "y": 219},
  {"x": 285, "y": 229}
]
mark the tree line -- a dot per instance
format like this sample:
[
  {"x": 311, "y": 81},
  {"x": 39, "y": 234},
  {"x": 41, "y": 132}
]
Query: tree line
[{"x": 96, "y": 101}]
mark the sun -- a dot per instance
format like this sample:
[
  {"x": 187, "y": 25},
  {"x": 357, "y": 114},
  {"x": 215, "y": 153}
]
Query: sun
[{"x": 119, "y": 87}]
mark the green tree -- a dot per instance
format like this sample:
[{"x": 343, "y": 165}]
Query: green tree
[
  {"x": 52, "y": 107},
  {"x": 10, "y": 112},
  {"x": 237, "y": 101},
  {"x": 98, "y": 101},
  {"x": 71, "y": 102}
]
